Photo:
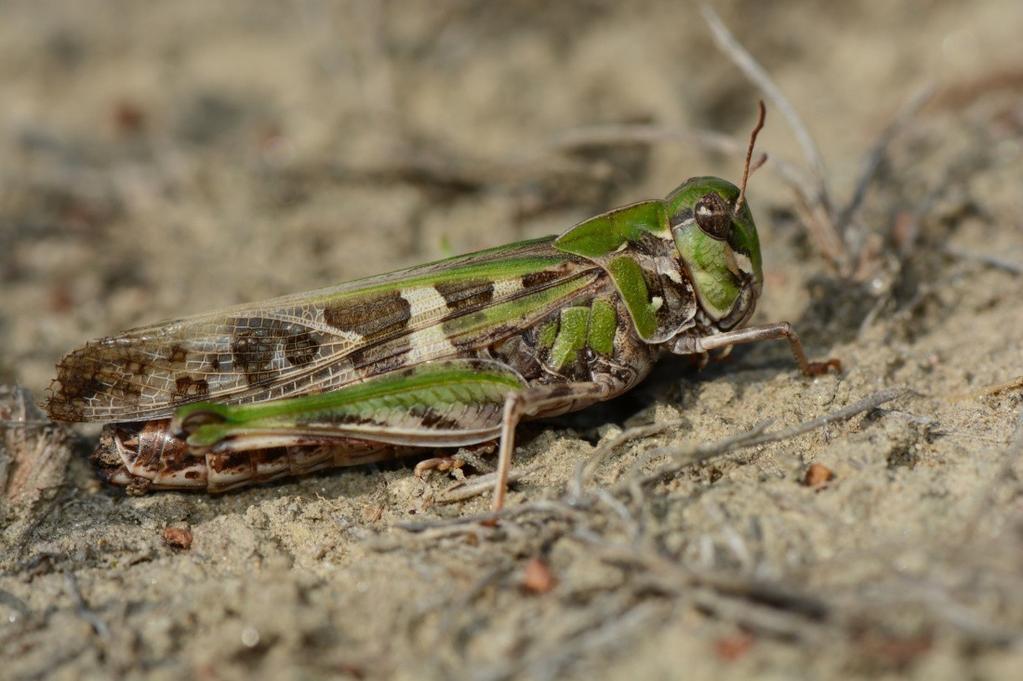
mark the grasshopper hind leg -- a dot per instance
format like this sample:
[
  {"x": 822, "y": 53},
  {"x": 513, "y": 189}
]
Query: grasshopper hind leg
[
  {"x": 450, "y": 403},
  {"x": 146, "y": 457},
  {"x": 233, "y": 470},
  {"x": 538, "y": 402}
]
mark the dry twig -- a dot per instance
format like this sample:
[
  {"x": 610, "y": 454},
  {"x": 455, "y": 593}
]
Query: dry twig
[
  {"x": 990, "y": 260},
  {"x": 877, "y": 153},
  {"x": 481, "y": 484},
  {"x": 642, "y": 133},
  {"x": 813, "y": 197},
  {"x": 687, "y": 456},
  {"x": 758, "y": 75},
  {"x": 34, "y": 453},
  {"x": 587, "y": 467},
  {"x": 828, "y": 228}
]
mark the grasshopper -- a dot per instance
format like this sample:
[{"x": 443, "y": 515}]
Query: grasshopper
[{"x": 449, "y": 354}]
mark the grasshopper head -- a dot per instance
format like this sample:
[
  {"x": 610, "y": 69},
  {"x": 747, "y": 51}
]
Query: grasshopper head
[
  {"x": 717, "y": 241},
  {"x": 716, "y": 238}
]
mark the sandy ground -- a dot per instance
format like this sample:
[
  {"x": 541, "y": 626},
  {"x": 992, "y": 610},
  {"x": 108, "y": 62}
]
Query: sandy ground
[{"x": 159, "y": 160}]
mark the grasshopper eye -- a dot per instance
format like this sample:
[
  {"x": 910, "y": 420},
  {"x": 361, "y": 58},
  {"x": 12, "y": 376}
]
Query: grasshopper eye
[{"x": 713, "y": 216}]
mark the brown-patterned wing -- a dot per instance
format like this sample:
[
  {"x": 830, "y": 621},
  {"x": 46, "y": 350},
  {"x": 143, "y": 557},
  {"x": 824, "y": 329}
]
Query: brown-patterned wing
[{"x": 303, "y": 343}]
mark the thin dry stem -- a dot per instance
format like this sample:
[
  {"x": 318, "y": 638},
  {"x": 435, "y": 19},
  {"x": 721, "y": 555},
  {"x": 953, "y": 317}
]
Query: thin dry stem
[
  {"x": 728, "y": 44},
  {"x": 814, "y": 203},
  {"x": 586, "y": 468},
  {"x": 687, "y": 456},
  {"x": 877, "y": 153},
  {"x": 990, "y": 260},
  {"x": 642, "y": 133},
  {"x": 467, "y": 489},
  {"x": 989, "y": 390},
  {"x": 33, "y": 450}
]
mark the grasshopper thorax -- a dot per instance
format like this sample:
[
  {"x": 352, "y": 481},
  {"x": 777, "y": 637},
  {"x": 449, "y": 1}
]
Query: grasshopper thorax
[{"x": 689, "y": 263}]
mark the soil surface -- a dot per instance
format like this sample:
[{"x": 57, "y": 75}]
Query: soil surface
[{"x": 166, "y": 159}]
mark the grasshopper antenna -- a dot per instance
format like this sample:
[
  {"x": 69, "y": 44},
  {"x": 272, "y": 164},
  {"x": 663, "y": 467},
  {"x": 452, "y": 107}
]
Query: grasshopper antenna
[{"x": 747, "y": 170}]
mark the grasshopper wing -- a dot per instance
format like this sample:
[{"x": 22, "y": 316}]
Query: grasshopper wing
[{"x": 317, "y": 341}]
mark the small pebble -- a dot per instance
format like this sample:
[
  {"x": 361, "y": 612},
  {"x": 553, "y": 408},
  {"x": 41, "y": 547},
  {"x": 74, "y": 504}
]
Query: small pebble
[
  {"x": 538, "y": 578},
  {"x": 178, "y": 538},
  {"x": 817, "y": 476}
]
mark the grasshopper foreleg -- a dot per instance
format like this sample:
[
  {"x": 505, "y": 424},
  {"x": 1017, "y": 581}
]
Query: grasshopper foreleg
[{"x": 754, "y": 334}]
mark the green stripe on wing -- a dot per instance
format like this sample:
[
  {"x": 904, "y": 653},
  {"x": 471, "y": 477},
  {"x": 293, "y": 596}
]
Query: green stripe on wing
[{"x": 400, "y": 407}]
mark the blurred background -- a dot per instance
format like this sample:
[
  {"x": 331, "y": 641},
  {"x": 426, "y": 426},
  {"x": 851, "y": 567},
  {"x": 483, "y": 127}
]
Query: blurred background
[{"x": 164, "y": 159}]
